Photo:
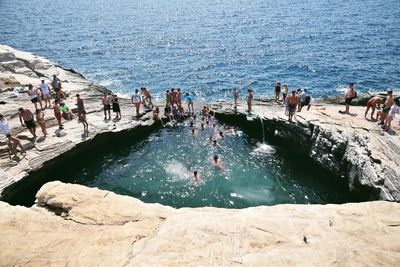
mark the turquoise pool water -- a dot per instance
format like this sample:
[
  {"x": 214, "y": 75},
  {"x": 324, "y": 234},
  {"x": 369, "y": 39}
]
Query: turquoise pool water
[{"x": 159, "y": 168}]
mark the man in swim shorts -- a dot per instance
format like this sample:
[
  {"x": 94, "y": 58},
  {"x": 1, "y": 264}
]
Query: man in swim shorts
[
  {"x": 349, "y": 96},
  {"x": 277, "y": 91},
  {"x": 293, "y": 101},
  {"x": 106, "y": 101},
  {"x": 57, "y": 113},
  {"x": 386, "y": 107},
  {"x": 373, "y": 103},
  {"x": 28, "y": 119}
]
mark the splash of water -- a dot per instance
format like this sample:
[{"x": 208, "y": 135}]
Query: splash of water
[{"x": 177, "y": 170}]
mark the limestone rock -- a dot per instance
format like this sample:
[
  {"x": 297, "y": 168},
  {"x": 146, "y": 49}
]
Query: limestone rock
[{"x": 77, "y": 226}]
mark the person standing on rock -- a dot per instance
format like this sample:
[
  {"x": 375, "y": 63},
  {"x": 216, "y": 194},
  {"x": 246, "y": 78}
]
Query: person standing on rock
[
  {"x": 250, "y": 97},
  {"x": 106, "y": 101},
  {"x": 285, "y": 92},
  {"x": 136, "y": 100},
  {"x": 395, "y": 108},
  {"x": 147, "y": 97},
  {"x": 54, "y": 83},
  {"x": 33, "y": 96},
  {"x": 57, "y": 113},
  {"x": 189, "y": 100},
  {"x": 277, "y": 91},
  {"x": 386, "y": 107},
  {"x": 28, "y": 119},
  {"x": 235, "y": 98},
  {"x": 292, "y": 101},
  {"x": 13, "y": 142},
  {"x": 82, "y": 118},
  {"x": 44, "y": 88},
  {"x": 116, "y": 108},
  {"x": 41, "y": 121},
  {"x": 81, "y": 106},
  {"x": 373, "y": 103},
  {"x": 349, "y": 96},
  {"x": 305, "y": 100}
]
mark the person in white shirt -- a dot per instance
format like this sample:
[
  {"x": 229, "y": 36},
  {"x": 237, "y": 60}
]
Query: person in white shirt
[
  {"x": 395, "y": 108},
  {"x": 12, "y": 141},
  {"x": 33, "y": 96},
  {"x": 136, "y": 100},
  {"x": 44, "y": 87}
]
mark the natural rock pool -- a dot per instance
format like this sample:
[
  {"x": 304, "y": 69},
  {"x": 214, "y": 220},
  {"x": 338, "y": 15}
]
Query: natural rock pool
[{"x": 159, "y": 168}]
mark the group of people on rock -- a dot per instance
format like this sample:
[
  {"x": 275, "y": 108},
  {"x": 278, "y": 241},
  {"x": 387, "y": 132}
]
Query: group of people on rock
[
  {"x": 294, "y": 102},
  {"x": 109, "y": 100},
  {"x": 386, "y": 114},
  {"x": 43, "y": 97}
]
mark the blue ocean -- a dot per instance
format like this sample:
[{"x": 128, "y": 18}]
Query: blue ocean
[{"x": 210, "y": 47}]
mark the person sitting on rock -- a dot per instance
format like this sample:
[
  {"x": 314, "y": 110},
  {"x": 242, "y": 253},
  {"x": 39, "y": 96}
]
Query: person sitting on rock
[
  {"x": 13, "y": 142},
  {"x": 66, "y": 112},
  {"x": 156, "y": 115},
  {"x": 28, "y": 119},
  {"x": 349, "y": 96},
  {"x": 373, "y": 103}
]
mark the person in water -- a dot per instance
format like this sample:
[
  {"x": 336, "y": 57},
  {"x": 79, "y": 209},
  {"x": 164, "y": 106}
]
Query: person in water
[
  {"x": 217, "y": 163},
  {"x": 250, "y": 97},
  {"x": 372, "y": 104},
  {"x": 277, "y": 91},
  {"x": 195, "y": 176},
  {"x": 235, "y": 98},
  {"x": 349, "y": 96}
]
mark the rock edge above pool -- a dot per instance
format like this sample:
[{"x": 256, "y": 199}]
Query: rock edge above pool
[
  {"x": 349, "y": 146},
  {"x": 79, "y": 226}
]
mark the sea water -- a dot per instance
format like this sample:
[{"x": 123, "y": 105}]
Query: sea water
[{"x": 209, "y": 47}]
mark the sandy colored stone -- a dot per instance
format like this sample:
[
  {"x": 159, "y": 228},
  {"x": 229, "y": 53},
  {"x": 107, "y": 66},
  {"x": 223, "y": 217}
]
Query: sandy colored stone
[{"x": 72, "y": 225}]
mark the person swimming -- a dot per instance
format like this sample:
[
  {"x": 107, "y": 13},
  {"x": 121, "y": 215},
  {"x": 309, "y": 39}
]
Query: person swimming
[{"x": 218, "y": 163}]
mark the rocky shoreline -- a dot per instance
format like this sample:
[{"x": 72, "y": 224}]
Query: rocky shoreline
[{"x": 96, "y": 227}]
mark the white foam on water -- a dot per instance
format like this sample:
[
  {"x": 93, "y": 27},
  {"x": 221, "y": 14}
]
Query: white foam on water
[
  {"x": 264, "y": 149},
  {"x": 177, "y": 170}
]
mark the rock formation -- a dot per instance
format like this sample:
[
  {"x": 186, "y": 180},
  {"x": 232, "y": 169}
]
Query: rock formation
[
  {"x": 349, "y": 146},
  {"x": 72, "y": 225}
]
